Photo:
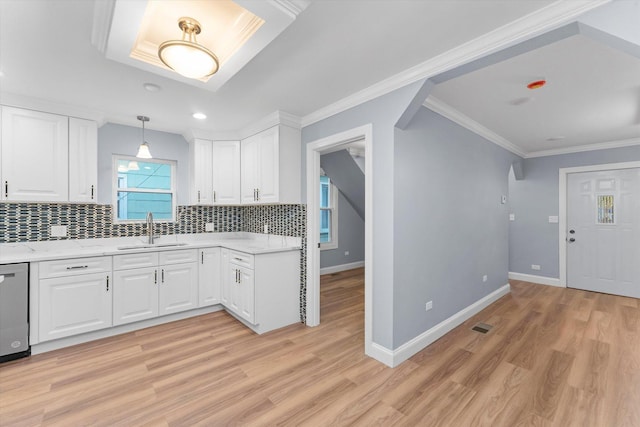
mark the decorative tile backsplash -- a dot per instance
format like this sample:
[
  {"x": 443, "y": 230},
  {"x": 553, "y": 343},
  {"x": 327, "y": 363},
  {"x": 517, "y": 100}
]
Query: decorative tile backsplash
[{"x": 31, "y": 222}]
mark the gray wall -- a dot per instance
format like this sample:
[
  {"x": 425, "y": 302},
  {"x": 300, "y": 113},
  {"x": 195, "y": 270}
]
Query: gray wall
[
  {"x": 532, "y": 239},
  {"x": 382, "y": 112},
  {"x": 350, "y": 237},
  {"x": 450, "y": 226},
  {"x": 120, "y": 139}
]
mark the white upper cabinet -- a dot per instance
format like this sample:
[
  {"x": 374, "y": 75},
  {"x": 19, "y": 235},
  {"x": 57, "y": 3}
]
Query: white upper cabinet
[
  {"x": 34, "y": 151},
  {"x": 201, "y": 173},
  {"x": 226, "y": 172},
  {"x": 215, "y": 172},
  {"x": 271, "y": 166},
  {"x": 83, "y": 160}
]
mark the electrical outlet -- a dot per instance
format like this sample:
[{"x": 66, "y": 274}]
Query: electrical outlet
[
  {"x": 512, "y": 217},
  {"x": 553, "y": 219},
  {"x": 428, "y": 306},
  {"x": 58, "y": 231},
  {"x": 209, "y": 227},
  {"x": 484, "y": 278},
  {"x": 535, "y": 267},
  {"x": 346, "y": 253}
]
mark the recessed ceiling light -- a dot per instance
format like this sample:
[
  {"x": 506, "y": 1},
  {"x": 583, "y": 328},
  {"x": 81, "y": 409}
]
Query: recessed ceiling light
[
  {"x": 199, "y": 116},
  {"x": 152, "y": 87},
  {"x": 555, "y": 138}
]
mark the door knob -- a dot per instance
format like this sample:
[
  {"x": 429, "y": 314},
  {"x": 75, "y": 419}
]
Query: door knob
[
  {"x": 572, "y": 240},
  {"x": 572, "y": 231}
]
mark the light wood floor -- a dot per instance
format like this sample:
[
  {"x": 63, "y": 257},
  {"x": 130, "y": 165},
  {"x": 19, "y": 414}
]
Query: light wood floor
[{"x": 555, "y": 356}]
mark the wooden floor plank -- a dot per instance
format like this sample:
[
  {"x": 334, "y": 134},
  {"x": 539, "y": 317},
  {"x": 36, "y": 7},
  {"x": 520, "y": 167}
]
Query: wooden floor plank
[{"x": 554, "y": 357}]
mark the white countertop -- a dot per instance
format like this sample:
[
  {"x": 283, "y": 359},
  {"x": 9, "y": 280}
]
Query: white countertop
[{"x": 251, "y": 243}]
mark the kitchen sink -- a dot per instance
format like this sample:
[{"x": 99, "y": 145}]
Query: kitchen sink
[{"x": 147, "y": 246}]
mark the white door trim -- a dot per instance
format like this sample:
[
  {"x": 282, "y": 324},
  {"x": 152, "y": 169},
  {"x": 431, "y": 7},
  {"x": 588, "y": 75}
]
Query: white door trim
[
  {"x": 562, "y": 182},
  {"x": 314, "y": 150}
]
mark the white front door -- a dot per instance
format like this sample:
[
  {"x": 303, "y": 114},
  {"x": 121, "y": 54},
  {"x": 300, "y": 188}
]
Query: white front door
[{"x": 603, "y": 231}]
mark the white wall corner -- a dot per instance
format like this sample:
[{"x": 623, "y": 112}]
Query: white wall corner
[
  {"x": 273, "y": 119},
  {"x": 408, "y": 349},
  {"x": 532, "y": 278}
]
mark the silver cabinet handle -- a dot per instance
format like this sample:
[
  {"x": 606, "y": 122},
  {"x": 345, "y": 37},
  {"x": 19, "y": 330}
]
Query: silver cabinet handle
[
  {"x": 163, "y": 275},
  {"x": 77, "y": 267},
  {"x": 155, "y": 277},
  {"x": 202, "y": 257},
  {"x": 107, "y": 283},
  {"x": 198, "y": 196},
  {"x": 214, "y": 196},
  {"x": 258, "y": 193},
  {"x": 92, "y": 191},
  {"x": 6, "y": 189}
]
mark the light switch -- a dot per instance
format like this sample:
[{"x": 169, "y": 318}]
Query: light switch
[
  {"x": 503, "y": 199},
  {"x": 512, "y": 217},
  {"x": 553, "y": 219}
]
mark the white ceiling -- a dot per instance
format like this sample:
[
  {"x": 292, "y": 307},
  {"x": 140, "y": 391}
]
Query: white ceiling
[
  {"x": 592, "y": 96},
  {"x": 331, "y": 51}
]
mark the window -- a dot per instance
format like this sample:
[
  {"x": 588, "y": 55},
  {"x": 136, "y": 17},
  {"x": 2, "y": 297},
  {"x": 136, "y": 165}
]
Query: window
[
  {"x": 142, "y": 186},
  {"x": 328, "y": 214}
]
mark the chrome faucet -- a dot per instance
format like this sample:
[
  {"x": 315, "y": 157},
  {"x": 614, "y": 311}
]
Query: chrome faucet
[{"x": 150, "y": 227}]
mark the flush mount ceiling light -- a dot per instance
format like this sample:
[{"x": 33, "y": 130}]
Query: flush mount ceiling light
[
  {"x": 186, "y": 56},
  {"x": 143, "y": 150},
  {"x": 199, "y": 116}
]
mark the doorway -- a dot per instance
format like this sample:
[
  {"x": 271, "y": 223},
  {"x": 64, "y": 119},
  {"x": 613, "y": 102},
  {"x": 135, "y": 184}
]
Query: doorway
[
  {"x": 601, "y": 231},
  {"x": 314, "y": 151}
]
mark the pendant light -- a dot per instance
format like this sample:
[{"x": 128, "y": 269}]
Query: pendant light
[
  {"x": 186, "y": 56},
  {"x": 143, "y": 150}
]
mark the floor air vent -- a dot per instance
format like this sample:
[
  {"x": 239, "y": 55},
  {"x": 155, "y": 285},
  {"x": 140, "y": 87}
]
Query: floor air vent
[{"x": 483, "y": 328}]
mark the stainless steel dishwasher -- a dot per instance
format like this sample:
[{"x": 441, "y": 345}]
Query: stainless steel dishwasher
[{"x": 14, "y": 311}]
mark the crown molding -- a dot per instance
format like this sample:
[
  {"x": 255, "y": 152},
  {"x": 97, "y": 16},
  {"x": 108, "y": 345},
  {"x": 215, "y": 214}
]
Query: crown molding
[
  {"x": 533, "y": 24},
  {"x": 36, "y": 104},
  {"x": 293, "y": 8},
  {"x": 102, "y": 17},
  {"x": 271, "y": 120},
  {"x": 582, "y": 148},
  {"x": 436, "y": 105}
]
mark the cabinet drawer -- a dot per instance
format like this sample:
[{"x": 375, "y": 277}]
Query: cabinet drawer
[
  {"x": 241, "y": 259},
  {"x": 178, "y": 257},
  {"x": 125, "y": 262},
  {"x": 74, "y": 267}
]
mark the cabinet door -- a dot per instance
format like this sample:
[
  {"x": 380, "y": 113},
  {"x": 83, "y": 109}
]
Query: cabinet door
[
  {"x": 246, "y": 295},
  {"x": 249, "y": 168},
  {"x": 135, "y": 295},
  {"x": 83, "y": 160},
  {"x": 209, "y": 277},
  {"x": 74, "y": 305},
  {"x": 178, "y": 288},
  {"x": 34, "y": 149},
  {"x": 268, "y": 167},
  {"x": 226, "y": 172},
  {"x": 201, "y": 172},
  {"x": 226, "y": 275},
  {"x": 241, "y": 292}
]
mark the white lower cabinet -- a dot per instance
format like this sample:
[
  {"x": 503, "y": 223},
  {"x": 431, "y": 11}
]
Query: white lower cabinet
[
  {"x": 209, "y": 277},
  {"x": 74, "y": 303},
  {"x": 152, "y": 284},
  {"x": 262, "y": 290},
  {"x": 135, "y": 295},
  {"x": 178, "y": 289}
]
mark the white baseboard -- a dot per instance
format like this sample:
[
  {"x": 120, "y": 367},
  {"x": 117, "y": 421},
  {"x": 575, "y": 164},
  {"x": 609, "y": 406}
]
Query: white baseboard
[
  {"x": 395, "y": 357},
  {"x": 541, "y": 280},
  {"x": 341, "y": 267}
]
